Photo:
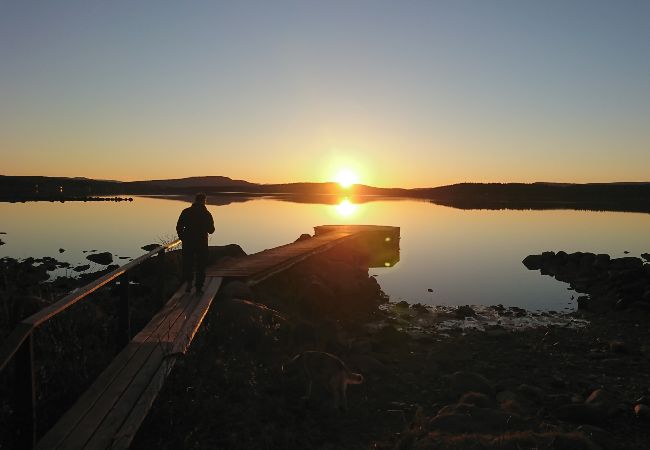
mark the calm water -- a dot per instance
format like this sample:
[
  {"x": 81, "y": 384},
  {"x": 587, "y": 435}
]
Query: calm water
[{"x": 466, "y": 257}]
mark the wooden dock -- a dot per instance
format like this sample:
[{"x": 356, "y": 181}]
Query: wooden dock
[{"x": 109, "y": 413}]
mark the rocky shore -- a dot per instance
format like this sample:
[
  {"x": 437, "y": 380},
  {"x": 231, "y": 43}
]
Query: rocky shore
[{"x": 434, "y": 377}]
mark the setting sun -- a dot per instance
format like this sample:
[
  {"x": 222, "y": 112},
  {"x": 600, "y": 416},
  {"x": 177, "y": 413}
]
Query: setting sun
[{"x": 346, "y": 178}]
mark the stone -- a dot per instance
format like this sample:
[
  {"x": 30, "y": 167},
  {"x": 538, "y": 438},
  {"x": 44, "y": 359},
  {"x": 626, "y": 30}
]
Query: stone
[
  {"x": 642, "y": 411},
  {"x": 303, "y": 237},
  {"x": 532, "y": 393},
  {"x": 250, "y": 325},
  {"x": 618, "y": 346},
  {"x": 464, "y": 311},
  {"x": 461, "y": 382},
  {"x": 626, "y": 263},
  {"x": 236, "y": 290},
  {"x": 465, "y": 418},
  {"x": 581, "y": 413},
  {"x": 597, "y": 435},
  {"x": 605, "y": 401},
  {"x": 82, "y": 268},
  {"x": 103, "y": 258},
  {"x": 61, "y": 250},
  {"x": 477, "y": 399},
  {"x": 149, "y": 247},
  {"x": 533, "y": 262}
]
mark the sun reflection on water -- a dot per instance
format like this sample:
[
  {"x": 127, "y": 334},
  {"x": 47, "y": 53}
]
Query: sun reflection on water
[{"x": 346, "y": 208}]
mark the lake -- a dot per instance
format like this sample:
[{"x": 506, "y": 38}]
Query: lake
[{"x": 463, "y": 256}]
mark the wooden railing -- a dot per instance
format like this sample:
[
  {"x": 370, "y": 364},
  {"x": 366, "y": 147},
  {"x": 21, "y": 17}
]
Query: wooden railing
[{"x": 19, "y": 344}]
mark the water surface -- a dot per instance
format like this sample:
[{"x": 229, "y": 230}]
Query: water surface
[{"x": 463, "y": 256}]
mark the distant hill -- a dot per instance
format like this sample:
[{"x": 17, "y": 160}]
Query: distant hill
[
  {"x": 621, "y": 196},
  {"x": 195, "y": 182}
]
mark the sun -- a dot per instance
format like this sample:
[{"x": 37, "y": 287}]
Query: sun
[{"x": 346, "y": 178}]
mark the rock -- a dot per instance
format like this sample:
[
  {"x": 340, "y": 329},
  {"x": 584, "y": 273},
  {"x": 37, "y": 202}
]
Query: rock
[
  {"x": 646, "y": 256},
  {"x": 103, "y": 258},
  {"x": 420, "y": 308},
  {"x": 642, "y": 411},
  {"x": 149, "y": 247},
  {"x": 2, "y": 242},
  {"x": 477, "y": 399},
  {"x": 461, "y": 382},
  {"x": 532, "y": 393},
  {"x": 388, "y": 335},
  {"x": 605, "y": 401},
  {"x": 599, "y": 436},
  {"x": 82, "y": 268},
  {"x": 303, "y": 237},
  {"x": 465, "y": 418},
  {"x": 464, "y": 311},
  {"x": 218, "y": 252},
  {"x": 533, "y": 262},
  {"x": 581, "y": 413},
  {"x": 618, "y": 346},
  {"x": 236, "y": 290},
  {"x": 505, "y": 396},
  {"x": 243, "y": 323},
  {"x": 626, "y": 263},
  {"x": 429, "y": 290}
]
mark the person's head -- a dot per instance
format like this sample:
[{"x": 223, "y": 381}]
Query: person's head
[{"x": 200, "y": 198}]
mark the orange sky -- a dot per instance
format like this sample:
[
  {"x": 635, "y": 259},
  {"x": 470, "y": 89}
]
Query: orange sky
[{"x": 406, "y": 94}]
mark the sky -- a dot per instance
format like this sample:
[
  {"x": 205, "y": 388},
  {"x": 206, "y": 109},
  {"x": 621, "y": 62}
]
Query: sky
[{"x": 401, "y": 93}]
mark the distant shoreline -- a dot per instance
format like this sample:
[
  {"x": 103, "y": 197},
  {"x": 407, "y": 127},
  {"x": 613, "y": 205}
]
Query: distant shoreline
[{"x": 625, "y": 197}]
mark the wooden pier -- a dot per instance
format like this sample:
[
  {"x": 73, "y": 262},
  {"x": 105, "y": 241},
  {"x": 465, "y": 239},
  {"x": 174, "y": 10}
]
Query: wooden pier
[{"x": 110, "y": 412}]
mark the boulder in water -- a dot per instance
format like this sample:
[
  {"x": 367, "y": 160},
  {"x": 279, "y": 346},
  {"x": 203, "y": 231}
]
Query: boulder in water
[{"x": 103, "y": 258}]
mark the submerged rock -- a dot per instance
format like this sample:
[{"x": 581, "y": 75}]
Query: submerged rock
[{"x": 149, "y": 247}]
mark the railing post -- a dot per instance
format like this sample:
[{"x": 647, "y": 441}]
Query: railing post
[
  {"x": 25, "y": 395},
  {"x": 160, "y": 291},
  {"x": 123, "y": 313}
]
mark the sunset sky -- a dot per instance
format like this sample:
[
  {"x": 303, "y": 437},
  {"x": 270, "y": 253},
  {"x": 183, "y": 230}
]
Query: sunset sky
[{"x": 401, "y": 93}]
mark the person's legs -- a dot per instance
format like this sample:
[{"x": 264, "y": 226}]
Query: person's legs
[
  {"x": 188, "y": 265},
  {"x": 201, "y": 258}
]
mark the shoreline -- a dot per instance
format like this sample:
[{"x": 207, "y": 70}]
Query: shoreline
[{"x": 537, "y": 378}]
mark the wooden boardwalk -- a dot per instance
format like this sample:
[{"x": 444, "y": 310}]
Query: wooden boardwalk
[
  {"x": 265, "y": 263},
  {"x": 110, "y": 412}
]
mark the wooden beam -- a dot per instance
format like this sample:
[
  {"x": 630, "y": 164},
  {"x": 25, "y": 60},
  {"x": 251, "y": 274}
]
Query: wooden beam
[{"x": 72, "y": 298}]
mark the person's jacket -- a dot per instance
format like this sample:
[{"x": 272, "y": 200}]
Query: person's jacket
[{"x": 194, "y": 225}]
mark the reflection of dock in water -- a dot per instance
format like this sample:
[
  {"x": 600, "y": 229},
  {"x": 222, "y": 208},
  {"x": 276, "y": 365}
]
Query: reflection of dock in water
[{"x": 112, "y": 409}]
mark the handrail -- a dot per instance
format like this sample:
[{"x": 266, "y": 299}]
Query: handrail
[{"x": 25, "y": 327}]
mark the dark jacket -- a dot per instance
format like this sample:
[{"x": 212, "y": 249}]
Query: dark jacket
[{"x": 194, "y": 224}]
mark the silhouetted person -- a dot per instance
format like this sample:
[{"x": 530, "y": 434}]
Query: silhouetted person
[{"x": 193, "y": 227}]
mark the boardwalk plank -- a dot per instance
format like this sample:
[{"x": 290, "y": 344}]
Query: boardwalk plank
[{"x": 87, "y": 400}]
